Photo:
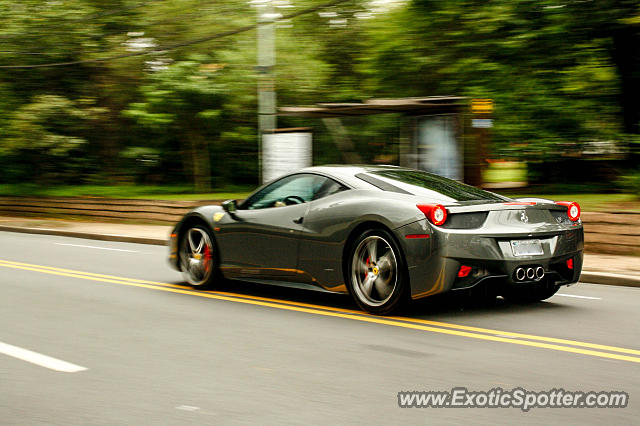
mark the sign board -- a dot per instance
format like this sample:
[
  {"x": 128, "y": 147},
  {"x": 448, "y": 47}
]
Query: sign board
[
  {"x": 482, "y": 106},
  {"x": 481, "y": 123},
  {"x": 283, "y": 153}
]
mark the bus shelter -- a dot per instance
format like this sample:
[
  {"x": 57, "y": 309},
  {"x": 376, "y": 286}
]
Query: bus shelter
[{"x": 432, "y": 131}]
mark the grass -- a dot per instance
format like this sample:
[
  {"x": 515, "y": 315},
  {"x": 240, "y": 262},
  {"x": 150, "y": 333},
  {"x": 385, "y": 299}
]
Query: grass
[
  {"x": 589, "y": 201},
  {"x": 170, "y": 192},
  {"x": 505, "y": 171},
  {"x": 591, "y": 197}
]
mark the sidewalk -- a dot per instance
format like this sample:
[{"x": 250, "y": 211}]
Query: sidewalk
[
  {"x": 597, "y": 268},
  {"x": 143, "y": 234}
]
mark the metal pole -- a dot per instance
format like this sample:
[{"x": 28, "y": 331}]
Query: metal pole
[{"x": 266, "y": 81}]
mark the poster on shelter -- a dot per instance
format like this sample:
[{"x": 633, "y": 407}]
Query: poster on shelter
[
  {"x": 283, "y": 153},
  {"x": 438, "y": 149}
]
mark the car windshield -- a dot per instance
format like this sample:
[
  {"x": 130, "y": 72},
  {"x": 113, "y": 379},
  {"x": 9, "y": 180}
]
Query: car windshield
[{"x": 429, "y": 185}]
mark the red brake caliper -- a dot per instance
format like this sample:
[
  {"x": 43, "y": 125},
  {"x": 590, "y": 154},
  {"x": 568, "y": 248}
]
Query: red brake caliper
[
  {"x": 367, "y": 263},
  {"x": 207, "y": 258}
]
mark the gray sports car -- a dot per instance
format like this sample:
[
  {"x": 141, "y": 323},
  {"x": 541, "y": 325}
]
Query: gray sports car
[{"x": 385, "y": 235}]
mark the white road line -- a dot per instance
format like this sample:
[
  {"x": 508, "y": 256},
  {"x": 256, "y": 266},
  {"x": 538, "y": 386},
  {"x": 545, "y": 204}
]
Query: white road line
[
  {"x": 187, "y": 408},
  {"x": 579, "y": 297},
  {"x": 39, "y": 359},
  {"x": 95, "y": 247}
]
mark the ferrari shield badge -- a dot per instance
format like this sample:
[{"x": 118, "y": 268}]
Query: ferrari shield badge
[{"x": 218, "y": 216}]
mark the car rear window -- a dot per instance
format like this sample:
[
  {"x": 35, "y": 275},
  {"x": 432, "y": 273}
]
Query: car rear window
[{"x": 422, "y": 183}]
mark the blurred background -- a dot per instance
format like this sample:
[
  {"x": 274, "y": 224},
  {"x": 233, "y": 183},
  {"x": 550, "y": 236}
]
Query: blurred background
[{"x": 161, "y": 99}]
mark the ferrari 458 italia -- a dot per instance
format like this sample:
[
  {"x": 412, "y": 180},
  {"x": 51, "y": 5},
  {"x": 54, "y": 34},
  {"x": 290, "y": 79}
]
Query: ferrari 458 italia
[{"x": 385, "y": 235}]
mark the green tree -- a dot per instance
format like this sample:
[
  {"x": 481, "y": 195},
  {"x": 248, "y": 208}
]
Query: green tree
[
  {"x": 562, "y": 73},
  {"x": 183, "y": 102},
  {"x": 551, "y": 83},
  {"x": 47, "y": 139},
  {"x": 35, "y": 33}
]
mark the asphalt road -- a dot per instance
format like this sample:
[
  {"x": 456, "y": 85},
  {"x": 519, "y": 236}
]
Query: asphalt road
[{"x": 142, "y": 349}]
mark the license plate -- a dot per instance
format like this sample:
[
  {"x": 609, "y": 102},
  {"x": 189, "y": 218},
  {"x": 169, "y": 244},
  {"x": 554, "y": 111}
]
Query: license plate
[{"x": 526, "y": 247}]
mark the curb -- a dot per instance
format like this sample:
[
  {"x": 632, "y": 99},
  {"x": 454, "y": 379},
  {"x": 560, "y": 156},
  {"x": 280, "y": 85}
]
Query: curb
[
  {"x": 606, "y": 278},
  {"x": 591, "y": 277},
  {"x": 86, "y": 235}
]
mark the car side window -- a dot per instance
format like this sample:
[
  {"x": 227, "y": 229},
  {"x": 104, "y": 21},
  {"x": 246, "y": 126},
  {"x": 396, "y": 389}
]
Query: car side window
[
  {"x": 294, "y": 189},
  {"x": 329, "y": 187}
]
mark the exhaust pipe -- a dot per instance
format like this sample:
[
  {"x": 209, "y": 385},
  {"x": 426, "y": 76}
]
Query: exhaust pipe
[{"x": 531, "y": 273}]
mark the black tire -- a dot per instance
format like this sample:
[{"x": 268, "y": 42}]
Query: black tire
[
  {"x": 198, "y": 257},
  {"x": 530, "y": 293},
  {"x": 378, "y": 283}
]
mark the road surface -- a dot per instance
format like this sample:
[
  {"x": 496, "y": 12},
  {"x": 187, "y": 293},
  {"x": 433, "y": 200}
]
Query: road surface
[{"x": 96, "y": 332}]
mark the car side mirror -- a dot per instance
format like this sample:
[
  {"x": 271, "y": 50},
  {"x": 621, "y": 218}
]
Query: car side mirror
[{"x": 230, "y": 206}]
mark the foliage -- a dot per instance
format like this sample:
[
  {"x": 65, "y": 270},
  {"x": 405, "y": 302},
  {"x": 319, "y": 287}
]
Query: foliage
[
  {"x": 46, "y": 139},
  {"x": 563, "y": 76},
  {"x": 551, "y": 83},
  {"x": 630, "y": 181}
]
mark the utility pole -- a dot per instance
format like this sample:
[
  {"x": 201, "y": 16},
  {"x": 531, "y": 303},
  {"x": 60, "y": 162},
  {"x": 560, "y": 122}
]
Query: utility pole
[{"x": 266, "y": 82}]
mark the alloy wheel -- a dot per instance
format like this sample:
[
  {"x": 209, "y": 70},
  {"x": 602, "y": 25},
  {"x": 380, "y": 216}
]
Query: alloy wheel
[
  {"x": 374, "y": 271},
  {"x": 197, "y": 257}
]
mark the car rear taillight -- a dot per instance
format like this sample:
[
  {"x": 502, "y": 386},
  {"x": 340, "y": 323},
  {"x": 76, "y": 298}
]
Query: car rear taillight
[
  {"x": 573, "y": 209},
  {"x": 436, "y": 213},
  {"x": 464, "y": 271}
]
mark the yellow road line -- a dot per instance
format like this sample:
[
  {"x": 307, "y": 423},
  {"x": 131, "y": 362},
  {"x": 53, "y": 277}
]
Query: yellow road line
[
  {"x": 520, "y": 335},
  {"x": 51, "y": 268},
  {"x": 410, "y": 323},
  {"x": 113, "y": 277},
  {"x": 341, "y": 310}
]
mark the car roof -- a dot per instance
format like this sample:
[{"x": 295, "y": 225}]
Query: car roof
[
  {"x": 355, "y": 168},
  {"x": 347, "y": 172}
]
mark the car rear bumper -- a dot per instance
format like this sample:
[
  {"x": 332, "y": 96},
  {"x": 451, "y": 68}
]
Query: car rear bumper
[{"x": 434, "y": 262}]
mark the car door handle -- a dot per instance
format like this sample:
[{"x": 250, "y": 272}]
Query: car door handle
[{"x": 298, "y": 220}]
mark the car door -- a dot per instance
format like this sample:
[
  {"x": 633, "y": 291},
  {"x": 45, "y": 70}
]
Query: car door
[{"x": 262, "y": 239}]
